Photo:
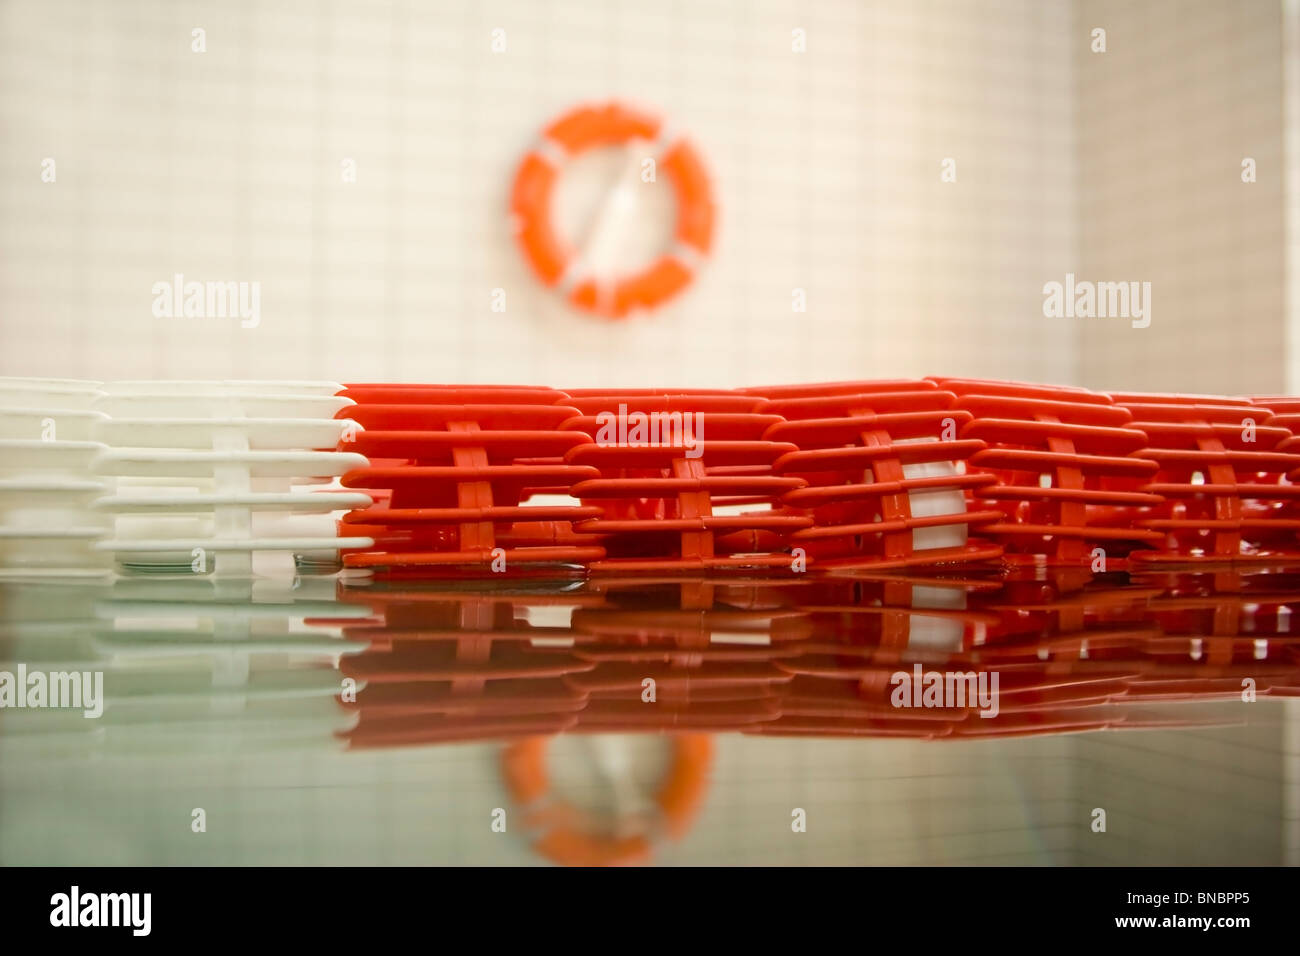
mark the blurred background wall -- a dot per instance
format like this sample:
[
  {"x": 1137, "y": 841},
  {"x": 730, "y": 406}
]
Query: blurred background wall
[
  {"x": 1116, "y": 166},
  {"x": 225, "y": 165},
  {"x": 1185, "y": 92}
]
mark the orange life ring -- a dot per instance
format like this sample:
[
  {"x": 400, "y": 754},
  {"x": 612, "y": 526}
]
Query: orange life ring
[
  {"x": 557, "y": 265},
  {"x": 566, "y": 834}
]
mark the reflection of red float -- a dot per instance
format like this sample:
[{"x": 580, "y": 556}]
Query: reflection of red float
[
  {"x": 560, "y": 266},
  {"x": 570, "y": 837},
  {"x": 816, "y": 657}
]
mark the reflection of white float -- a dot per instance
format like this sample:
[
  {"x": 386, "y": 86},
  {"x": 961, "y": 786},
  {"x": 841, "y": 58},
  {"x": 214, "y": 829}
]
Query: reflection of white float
[
  {"x": 47, "y": 490},
  {"x": 192, "y": 663},
  {"x": 209, "y": 474}
]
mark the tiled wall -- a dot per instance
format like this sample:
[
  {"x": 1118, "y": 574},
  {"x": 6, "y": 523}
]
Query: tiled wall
[
  {"x": 1115, "y": 166},
  {"x": 1186, "y": 90},
  {"x": 225, "y": 165},
  {"x": 1208, "y": 797}
]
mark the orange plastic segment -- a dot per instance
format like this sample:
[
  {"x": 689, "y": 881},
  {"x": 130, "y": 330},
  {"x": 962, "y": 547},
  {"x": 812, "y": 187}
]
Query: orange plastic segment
[
  {"x": 589, "y": 127},
  {"x": 530, "y": 202},
  {"x": 659, "y": 283},
  {"x": 694, "y": 196}
]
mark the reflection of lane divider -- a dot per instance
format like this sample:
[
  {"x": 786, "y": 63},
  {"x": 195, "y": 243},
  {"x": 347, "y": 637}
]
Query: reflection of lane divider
[
  {"x": 446, "y": 666},
  {"x": 220, "y": 663},
  {"x": 799, "y": 658},
  {"x": 192, "y": 660},
  {"x": 683, "y": 656}
]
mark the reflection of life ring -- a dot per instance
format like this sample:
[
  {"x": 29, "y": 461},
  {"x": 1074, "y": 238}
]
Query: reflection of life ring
[
  {"x": 569, "y": 836},
  {"x": 557, "y": 265}
]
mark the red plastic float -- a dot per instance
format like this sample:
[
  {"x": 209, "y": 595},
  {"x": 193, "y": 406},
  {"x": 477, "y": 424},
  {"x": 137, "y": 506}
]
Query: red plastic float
[{"x": 837, "y": 478}]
